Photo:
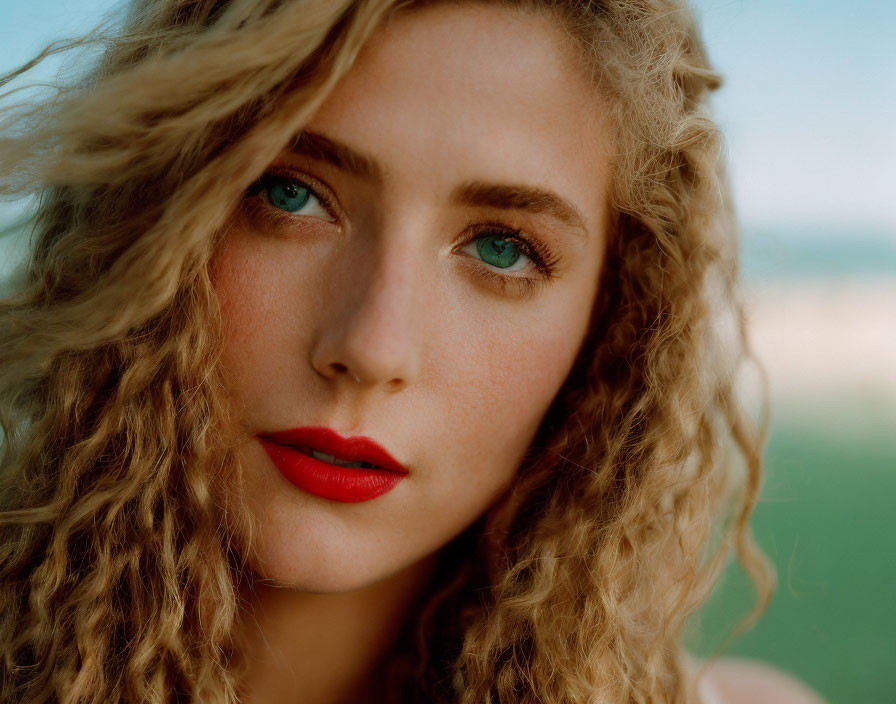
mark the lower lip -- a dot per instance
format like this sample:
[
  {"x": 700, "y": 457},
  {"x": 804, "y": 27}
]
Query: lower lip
[{"x": 345, "y": 484}]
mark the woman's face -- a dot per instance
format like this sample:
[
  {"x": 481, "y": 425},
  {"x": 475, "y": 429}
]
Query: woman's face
[{"x": 429, "y": 289}]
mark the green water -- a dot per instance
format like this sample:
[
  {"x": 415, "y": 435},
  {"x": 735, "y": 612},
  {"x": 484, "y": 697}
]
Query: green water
[{"x": 827, "y": 520}]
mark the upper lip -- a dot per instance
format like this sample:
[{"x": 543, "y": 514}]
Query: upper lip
[{"x": 352, "y": 449}]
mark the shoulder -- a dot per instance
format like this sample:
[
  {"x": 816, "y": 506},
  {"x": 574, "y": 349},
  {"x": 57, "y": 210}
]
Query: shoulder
[{"x": 743, "y": 681}]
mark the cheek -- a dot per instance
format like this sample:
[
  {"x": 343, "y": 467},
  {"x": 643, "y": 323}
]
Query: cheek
[
  {"x": 238, "y": 280},
  {"x": 523, "y": 357},
  {"x": 251, "y": 294},
  {"x": 506, "y": 378}
]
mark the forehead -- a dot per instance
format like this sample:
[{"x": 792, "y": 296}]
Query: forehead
[{"x": 472, "y": 91}]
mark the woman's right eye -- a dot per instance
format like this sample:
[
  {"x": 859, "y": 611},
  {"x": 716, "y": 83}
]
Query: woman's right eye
[{"x": 290, "y": 195}]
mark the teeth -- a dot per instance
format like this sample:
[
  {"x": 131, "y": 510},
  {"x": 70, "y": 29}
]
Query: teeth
[{"x": 339, "y": 463}]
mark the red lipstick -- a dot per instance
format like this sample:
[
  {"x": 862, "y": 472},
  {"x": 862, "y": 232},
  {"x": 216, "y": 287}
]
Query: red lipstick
[{"x": 290, "y": 451}]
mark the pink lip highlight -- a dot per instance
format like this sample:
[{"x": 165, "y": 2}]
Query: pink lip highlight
[{"x": 329, "y": 481}]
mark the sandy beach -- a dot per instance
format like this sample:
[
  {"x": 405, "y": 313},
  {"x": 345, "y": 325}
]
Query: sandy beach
[{"x": 826, "y": 338}]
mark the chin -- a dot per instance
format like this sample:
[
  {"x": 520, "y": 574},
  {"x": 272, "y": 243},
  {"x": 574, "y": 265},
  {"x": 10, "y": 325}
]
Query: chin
[
  {"x": 327, "y": 571},
  {"x": 332, "y": 582},
  {"x": 319, "y": 583}
]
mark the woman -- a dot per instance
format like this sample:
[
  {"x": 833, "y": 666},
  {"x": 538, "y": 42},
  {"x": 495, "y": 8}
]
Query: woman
[{"x": 375, "y": 351}]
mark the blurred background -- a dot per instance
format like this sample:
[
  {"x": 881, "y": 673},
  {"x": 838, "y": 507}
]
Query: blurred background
[{"x": 809, "y": 110}]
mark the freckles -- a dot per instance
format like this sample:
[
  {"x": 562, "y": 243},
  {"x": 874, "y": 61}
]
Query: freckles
[
  {"x": 248, "y": 288},
  {"x": 245, "y": 295},
  {"x": 522, "y": 374},
  {"x": 514, "y": 372}
]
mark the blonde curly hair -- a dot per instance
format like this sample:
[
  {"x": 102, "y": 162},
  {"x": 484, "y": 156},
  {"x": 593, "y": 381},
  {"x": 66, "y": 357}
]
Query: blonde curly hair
[{"x": 123, "y": 537}]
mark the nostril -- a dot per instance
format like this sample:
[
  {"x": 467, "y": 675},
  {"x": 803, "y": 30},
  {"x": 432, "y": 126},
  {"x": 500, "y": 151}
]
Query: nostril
[{"x": 342, "y": 369}]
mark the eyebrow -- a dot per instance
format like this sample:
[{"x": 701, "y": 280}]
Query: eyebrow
[
  {"x": 316, "y": 146},
  {"x": 502, "y": 196},
  {"x": 519, "y": 197}
]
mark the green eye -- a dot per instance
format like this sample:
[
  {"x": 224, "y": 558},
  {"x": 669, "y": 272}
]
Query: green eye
[
  {"x": 497, "y": 251},
  {"x": 286, "y": 193},
  {"x": 290, "y": 194}
]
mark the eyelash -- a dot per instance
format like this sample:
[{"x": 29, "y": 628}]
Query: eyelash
[
  {"x": 539, "y": 254},
  {"x": 543, "y": 259}
]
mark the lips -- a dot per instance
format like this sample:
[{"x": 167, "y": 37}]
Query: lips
[
  {"x": 289, "y": 450},
  {"x": 357, "y": 449}
]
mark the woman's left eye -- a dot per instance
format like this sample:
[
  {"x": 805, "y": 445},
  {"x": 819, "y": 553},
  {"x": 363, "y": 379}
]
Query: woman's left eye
[
  {"x": 502, "y": 250},
  {"x": 291, "y": 195},
  {"x": 499, "y": 251}
]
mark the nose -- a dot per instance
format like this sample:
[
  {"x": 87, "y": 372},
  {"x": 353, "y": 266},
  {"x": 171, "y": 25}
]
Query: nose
[{"x": 371, "y": 322}]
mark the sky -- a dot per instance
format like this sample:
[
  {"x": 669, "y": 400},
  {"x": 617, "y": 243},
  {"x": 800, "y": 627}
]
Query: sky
[
  {"x": 808, "y": 105},
  {"x": 809, "y": 109}
]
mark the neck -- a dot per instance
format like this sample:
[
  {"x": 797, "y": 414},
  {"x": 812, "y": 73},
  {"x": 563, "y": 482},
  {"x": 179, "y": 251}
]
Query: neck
[{"x": 324, "y": 648}]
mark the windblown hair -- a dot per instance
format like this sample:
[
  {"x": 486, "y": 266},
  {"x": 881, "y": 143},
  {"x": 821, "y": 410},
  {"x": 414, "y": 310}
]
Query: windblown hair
[{"x": 123, "y": 539}]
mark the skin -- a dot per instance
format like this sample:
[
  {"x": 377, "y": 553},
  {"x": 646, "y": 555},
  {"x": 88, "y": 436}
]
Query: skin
[
  {"x": 369, "y": 312},
  {"x": 383, "y": 322},
  {"x": 744, "y": 681},
  {"x": 378, "y": 319}
]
